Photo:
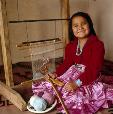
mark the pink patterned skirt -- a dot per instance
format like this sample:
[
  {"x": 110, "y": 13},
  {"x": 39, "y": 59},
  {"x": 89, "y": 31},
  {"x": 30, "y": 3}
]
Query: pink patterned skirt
[{"x": 86, "y": 99}]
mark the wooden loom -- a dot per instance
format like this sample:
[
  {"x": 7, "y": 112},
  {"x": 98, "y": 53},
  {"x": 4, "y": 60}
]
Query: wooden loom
[{"x": 8, "y": 90}]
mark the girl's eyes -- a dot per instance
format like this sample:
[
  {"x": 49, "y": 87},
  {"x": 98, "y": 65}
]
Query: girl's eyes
[
  {"x": 75, "y": 25},
  {"x": 82, "y": 24}
]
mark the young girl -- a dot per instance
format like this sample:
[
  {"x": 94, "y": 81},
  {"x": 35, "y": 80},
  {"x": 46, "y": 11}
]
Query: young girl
[{"x": 82, "y": 91}]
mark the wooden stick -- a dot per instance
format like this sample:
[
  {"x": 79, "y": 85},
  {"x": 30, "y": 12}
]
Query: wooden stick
[
  {"x": 39, "y": 41},
  {"x": 58, "y": 95}
]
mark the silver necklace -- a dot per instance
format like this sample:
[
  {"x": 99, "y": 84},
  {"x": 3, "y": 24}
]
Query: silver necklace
[{"x": 78, "y": 50}]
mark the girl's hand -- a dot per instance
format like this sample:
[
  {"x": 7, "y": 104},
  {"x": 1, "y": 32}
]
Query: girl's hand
[
  {"x": 50, "y": 75},
  {"x": 53, "y": 75},
  {"x": 53, "y": 78},
  {"x": 70, "y": 86}
]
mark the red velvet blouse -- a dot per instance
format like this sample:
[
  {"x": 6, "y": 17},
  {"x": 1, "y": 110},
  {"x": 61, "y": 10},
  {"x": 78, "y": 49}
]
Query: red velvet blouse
[{"x": 92, "y": 57}]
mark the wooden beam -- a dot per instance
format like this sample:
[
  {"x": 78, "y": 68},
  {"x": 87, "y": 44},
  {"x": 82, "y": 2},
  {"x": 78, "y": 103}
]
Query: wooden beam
[
  {"x": 12, "y": 96},
  {"x": 5, "y": 44},
  {"x": 65, "y": 14}
]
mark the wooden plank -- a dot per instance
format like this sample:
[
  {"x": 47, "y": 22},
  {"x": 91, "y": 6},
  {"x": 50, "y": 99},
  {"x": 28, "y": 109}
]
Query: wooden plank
[
  {"x": 5, "y": 45},
  {"x": 65, "y": 13},
  {"x": 27, "y": 84},
  {"x": 12, "y": 96}
]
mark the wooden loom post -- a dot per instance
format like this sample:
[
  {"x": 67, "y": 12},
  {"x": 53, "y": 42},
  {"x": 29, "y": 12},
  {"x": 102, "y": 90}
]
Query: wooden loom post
[
  {"x": 5, "y": 45},
  {"x": 5, "y": 89},
  {"x": 65, "y": 14}
]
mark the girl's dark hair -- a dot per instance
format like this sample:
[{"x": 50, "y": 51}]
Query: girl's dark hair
[{"x": 88, "y": 19}]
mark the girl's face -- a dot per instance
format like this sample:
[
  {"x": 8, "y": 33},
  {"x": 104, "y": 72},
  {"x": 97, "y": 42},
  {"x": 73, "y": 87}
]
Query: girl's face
[{"x": 80, "y": 27}]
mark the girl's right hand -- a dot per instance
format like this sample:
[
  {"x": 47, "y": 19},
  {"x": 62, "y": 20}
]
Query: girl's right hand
[
  {"x": 50, "y": 75},
  {"x": 53, "y": 78},
  {"x": 53, "y": 75}
]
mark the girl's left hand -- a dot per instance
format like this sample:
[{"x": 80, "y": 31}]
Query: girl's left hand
[{"x": 70, "y": 86}]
